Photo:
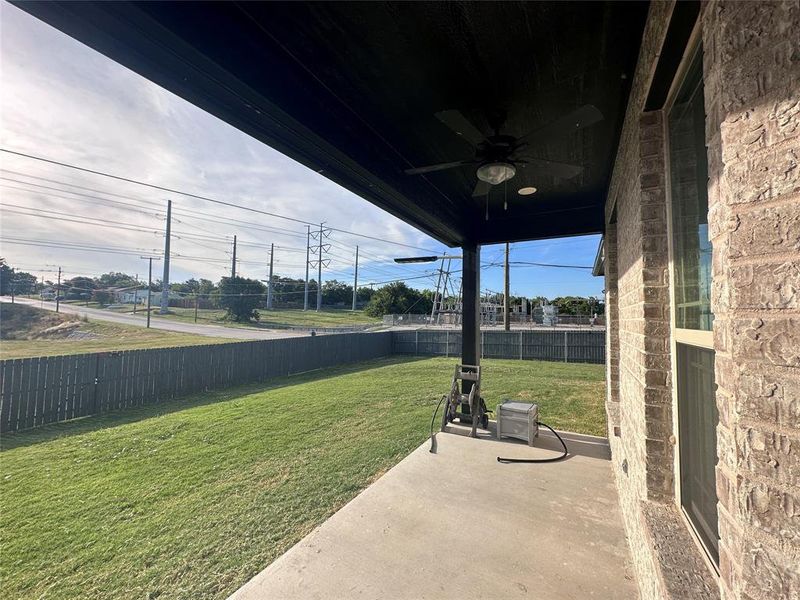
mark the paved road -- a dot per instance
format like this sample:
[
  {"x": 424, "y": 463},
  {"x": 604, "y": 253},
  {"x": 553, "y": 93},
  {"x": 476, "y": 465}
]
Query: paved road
[{"x": 238, "y": 333}]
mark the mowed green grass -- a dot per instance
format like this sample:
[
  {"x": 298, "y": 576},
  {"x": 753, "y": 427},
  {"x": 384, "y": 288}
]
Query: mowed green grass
[
  {"x": 192, "y": 498},
  {"x": 281, "y": 317}
]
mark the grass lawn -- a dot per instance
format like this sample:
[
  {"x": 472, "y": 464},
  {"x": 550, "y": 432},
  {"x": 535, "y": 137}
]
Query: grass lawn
[
  {"x": 192, "y": 498},
  {"x": 20, "y": 321},
  {"x": 283, "y": 317}
]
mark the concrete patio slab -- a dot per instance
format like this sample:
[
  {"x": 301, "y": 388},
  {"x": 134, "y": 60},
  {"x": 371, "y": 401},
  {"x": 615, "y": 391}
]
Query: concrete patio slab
[{"x": 457, "y": 524}]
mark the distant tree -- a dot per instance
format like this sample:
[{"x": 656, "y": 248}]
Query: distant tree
[
  {"x": 6, "y": 277},
  {"x": 24, "y": 283},
  {"x": 115, "y": 279},
  {"x": 578, "y": 305},
  {"x": 79, "y": 288},
  {"x": 203, "y": 287},
  {"x": 289, "y": 292},
  {"x": 336, "y": 292},
  {"x": 240, "y": 297},
  {"x": 398, "y": 298},
  {"x": 19, "y": 282},
  {"x": 364, "y": 294},
  {"x": 102, "y": 296}
]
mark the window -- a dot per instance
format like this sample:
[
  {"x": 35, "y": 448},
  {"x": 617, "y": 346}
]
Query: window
[
  {"x": 692, "y": 351},
  {"x": 697, "y": 422},
  {"x": 689, "y": 185}
]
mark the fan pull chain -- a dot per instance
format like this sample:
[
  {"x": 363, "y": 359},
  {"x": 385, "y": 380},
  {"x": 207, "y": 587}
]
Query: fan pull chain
[
  {"x": 487, "y": 205},
  {"x": 505, "y": 195}
]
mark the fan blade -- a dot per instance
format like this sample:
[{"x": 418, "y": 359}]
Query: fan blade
[
  {"x": 583, "y": 117},
  {"x": 549, "y": 167},
  {"x": 459, "y": 123},
  {"x": 439, "y": 167},
  {"x": 481, "y": 188}
]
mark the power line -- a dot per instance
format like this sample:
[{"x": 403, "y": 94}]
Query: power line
[
  {"x": 428, "y": 276},
  {"x": 81, "y": 220},
  {"x": 78, "y": 247},
  {"x": 198, "y": 197},
  {"x": 80, "y": 187},
  {"x": 50, "y": 196},
  {"x": 537, "y": 264},
  {"x": 150, "y": 185}
]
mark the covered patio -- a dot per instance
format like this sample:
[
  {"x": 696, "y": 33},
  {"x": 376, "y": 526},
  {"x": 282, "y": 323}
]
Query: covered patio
[
  {"x": 669, "y": 127},
  {"x": 365, "y": 93},
  {"x": 457, "y": 524}
]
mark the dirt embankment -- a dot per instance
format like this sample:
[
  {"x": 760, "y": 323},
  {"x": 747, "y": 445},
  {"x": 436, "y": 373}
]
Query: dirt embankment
[{"x": 23, "y": 322}]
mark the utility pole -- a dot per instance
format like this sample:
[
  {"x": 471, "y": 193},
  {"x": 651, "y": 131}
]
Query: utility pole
[
  {"x": 149, "y": 284},
  {"x": 355, "y": 282},
  {"x": 136, "y": 294},
  {"x": 319, "y": 272},
  {"x": 58, "y": 290},
  {"x": 308, "y": 242},
  {"x": 233, "y": 262},
  {"x": 506, "y": 296},
  {"x": 196, "y": 300},
  {"x": 269, "y": 282},
  {"x": 165, "y": 279}
]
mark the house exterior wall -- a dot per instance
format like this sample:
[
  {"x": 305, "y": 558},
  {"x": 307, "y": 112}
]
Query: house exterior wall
[{"x": 751, "y": 67}]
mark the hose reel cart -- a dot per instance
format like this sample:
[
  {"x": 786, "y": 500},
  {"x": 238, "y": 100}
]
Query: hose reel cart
[{"x": 468, "y": 408}]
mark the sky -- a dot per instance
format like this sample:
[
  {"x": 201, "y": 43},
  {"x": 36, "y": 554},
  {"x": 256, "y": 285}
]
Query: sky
[{"x": 63, "y": 101}]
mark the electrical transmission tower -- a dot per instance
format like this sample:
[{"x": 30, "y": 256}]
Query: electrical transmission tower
[
  {"x": 444, "y": 301},
  {"x": 317, "y": 258}
]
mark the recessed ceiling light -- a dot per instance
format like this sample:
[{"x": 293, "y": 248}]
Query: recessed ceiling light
[{"x": 526, "y": 191}]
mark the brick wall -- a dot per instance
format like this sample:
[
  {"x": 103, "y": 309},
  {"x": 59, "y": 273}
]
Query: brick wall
[
  {"x": 752, "y": 74},
  {"x": 752, "y": 94},
  {"x": 635, "y": 274}
]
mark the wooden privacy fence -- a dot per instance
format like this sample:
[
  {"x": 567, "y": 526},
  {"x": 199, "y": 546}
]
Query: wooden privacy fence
[
  {"x": 556, "y": 345},
  {"x": 37, "y": 391}
]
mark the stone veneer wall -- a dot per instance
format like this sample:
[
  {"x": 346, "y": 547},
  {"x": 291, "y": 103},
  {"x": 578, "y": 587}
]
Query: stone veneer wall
[
  {"x": 752, "y": 89},
  {"x": 752, "y": 75}
]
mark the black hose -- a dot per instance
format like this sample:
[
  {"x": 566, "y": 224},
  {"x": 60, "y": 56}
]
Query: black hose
[
  {"x": 538, "y": 460},
  {"x": 433, "y": 418}
]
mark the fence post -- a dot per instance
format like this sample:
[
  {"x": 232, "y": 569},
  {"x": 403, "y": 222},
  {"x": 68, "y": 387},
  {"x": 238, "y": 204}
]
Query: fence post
[
  {"x": 520, "y": 344},
  {"x": 447, "y": 343},
  {"x": 482, "y": 334},
  {"x": 416, "y": 342},
  {"x": 96, "y": 383},
  {"x": 565, "y": 345}
]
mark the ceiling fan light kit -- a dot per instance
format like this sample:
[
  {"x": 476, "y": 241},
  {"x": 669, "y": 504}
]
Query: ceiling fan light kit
[
  {"x": 496, "y": 173},
  {"x": 497, "y": 156}
]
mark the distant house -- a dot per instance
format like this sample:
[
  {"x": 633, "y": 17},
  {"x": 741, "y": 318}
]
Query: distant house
[
  {"x": 129, "y": 296},
  {"x": 48, "y": 293}
]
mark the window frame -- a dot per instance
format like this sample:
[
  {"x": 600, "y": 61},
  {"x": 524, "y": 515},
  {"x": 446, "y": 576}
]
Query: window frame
[{"x": 690, "y": 337}]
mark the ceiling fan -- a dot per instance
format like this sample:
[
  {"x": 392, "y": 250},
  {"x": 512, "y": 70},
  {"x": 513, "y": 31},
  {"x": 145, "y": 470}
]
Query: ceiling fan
[{"x": 499, "y": 156}]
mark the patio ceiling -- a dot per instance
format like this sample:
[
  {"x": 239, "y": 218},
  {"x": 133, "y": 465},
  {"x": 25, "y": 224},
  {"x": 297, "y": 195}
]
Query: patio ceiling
[{"x": 351, "y": 90}]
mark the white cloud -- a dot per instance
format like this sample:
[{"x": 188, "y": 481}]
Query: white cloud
[{"x": 64, "y": 101}]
